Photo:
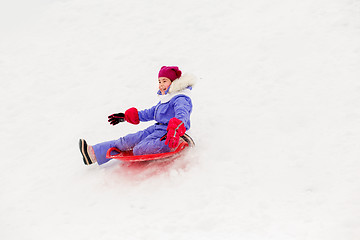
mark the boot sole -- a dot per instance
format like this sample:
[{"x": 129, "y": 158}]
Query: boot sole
[{"x": 84, "y": 153}]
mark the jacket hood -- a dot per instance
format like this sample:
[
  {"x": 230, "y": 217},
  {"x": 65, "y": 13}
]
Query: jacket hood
[{"x": 186, "y": 81}]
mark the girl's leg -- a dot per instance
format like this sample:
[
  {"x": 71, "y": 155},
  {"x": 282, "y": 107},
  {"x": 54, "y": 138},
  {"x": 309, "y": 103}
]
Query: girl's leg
[
  {"x": 123, "y": 144},
  {"x": 100, "y": 150}
]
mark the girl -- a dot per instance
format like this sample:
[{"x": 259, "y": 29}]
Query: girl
[{"x": 172, "y": 116}]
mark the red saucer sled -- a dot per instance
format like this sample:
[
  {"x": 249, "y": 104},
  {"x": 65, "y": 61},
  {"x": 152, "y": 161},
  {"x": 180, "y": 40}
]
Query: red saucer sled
[{"x": 128, "y": 156}]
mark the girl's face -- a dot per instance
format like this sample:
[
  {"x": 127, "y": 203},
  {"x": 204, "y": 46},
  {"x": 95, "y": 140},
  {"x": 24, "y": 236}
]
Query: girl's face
[{"x": 164, "y": 84}]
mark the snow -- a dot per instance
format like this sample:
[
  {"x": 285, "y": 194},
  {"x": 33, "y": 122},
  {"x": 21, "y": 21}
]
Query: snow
[{"x": 276, "y": 119}]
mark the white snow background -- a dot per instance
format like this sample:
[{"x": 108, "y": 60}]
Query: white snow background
[{"x": 276, "y": 119}]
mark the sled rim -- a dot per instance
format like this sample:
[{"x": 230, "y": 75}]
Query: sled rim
[
  {"x": 147, "y": 157},
  {"x": 188, "y": 139}
]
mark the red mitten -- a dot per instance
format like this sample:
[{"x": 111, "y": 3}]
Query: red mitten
[
  {"x": 175, "y": 130},
  {"x": 132, "y": 116}
]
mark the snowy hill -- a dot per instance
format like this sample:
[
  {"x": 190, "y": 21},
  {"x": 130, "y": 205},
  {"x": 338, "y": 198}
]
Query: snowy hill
[{"x": 276, "y": 119}]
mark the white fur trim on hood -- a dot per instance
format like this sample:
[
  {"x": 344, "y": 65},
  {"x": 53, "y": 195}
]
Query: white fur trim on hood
[{"x": 186, "y": 80}]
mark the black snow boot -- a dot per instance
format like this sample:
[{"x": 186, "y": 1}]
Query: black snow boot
[{"x": 84, "y": 149}]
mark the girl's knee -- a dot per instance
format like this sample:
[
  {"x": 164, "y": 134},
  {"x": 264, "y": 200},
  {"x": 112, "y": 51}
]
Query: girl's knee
[
  {"x": 150, "y": 148},
  {"x": 142, "y": 149}
]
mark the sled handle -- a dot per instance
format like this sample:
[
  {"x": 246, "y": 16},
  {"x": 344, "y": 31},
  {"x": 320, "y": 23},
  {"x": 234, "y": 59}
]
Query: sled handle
[
  {"x": 109, "y": 155},
  {"x": 128, "y": 156}
]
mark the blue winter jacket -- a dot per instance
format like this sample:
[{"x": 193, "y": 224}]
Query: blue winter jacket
[{"x": 179, "y": 106}]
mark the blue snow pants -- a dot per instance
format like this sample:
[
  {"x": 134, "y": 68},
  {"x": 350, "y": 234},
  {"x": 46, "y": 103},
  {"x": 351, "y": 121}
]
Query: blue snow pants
[{"x": 142, "y": 142}]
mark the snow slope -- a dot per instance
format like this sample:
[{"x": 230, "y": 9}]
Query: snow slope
[{"x": 276, "y": 119}]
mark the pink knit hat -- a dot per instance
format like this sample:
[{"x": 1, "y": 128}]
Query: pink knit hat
[{"x": 171, "y": 73}]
